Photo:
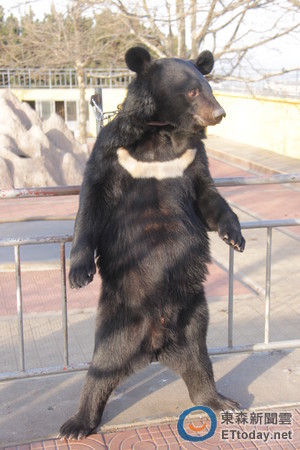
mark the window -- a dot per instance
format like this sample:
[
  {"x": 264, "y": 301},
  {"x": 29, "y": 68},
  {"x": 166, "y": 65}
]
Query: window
[
  {"x": 60, "y": 108},
  {"x": 45, "y": 110},
  {"x": 87, "y": 110},
  {"x": 71, "y": 107},
  {"x": 67, "y": 109},
  {"x": 31, "y": 103}
]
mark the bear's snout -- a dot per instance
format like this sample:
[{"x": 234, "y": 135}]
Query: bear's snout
[
  {"x": 219, "y": 114},
  {"x": 207, "y": 110}
]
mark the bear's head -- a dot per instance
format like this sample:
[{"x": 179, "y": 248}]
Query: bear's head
[{"x": 172, "y": 91}]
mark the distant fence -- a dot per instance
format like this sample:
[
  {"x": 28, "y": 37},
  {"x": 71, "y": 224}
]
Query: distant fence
[
  {"x": 22, "y": 372},
  {"x": 38, "y": 78},
  {"x": 282, "y": 87},
  {"x": 63, "y": 78}
]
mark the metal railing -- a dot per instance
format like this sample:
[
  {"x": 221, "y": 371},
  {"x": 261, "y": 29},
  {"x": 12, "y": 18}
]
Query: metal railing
[
  {"x": 266, "y": 345},
  {"x": 63, "y": 78},
  {"x": 62, "y": 240},
  {"x": 280, "y": 86},
  {"x": 285, "y": 85}
]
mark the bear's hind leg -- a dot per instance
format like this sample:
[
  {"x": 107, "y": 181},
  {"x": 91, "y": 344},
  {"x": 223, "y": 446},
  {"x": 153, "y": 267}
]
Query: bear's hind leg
[
  {"x": 94, "y": 396},
  {"x": 187, "y": 355},
  {"x": 199, "y": 379},
  {"x": 120, "y": 350}
]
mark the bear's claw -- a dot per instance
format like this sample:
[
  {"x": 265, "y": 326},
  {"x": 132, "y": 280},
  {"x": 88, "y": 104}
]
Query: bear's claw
[
  {"x": 240, "y": 247},
  {"x": 74, "y": 428},
  {"x": 222, "y": 403},
  {"x": 232, "y": 237},
  {"x": 81, "y": 276}
]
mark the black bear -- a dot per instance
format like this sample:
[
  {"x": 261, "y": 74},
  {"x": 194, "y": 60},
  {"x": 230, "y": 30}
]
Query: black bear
[{"x": 147, "y": 202}]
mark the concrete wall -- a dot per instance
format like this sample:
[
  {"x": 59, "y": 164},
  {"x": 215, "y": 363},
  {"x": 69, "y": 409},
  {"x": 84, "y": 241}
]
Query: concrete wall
[
  {"x": 270, "y": 123},
  {"x": 112, "y": 98}
]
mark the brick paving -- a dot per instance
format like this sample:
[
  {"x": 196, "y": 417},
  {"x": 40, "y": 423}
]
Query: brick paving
[
  {"x": 23, "y": 208},
  {"x": 263, "y": 202},
  {"x": 250, "y": 157},
  {"x": 165, "y": 436},
  {"x": 42, "y": 291}
]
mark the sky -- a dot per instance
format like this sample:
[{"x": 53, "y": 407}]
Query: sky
[
  {"x": 274, "y": 57},
  {"x": 40, "y": 7}
]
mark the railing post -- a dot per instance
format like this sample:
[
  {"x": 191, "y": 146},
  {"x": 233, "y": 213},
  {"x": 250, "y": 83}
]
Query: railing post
[
  {"x": 19, "y": 308},
  {"x": 268, "y": 285},
  {"x": 230, "y": 297},
  {"x": 64, "y": 302}
]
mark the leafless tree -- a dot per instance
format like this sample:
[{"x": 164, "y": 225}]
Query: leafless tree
[
  {"x": 77, "y": 38},
  {"x": 80, "y": 37},
  {"x": 231, "y": 29}
]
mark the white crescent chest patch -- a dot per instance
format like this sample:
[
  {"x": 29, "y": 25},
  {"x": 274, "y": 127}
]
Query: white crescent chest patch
[{"x": 156, "y": 169}]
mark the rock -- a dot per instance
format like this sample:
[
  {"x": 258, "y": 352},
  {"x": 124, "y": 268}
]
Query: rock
[
  {"x": 7, "y": 179},
  {"x": 34, "y": 141},
  {"x": 58, "y": 133},
  {"x": 34, "y": 153},
  {"x": 71, "y": 169}
]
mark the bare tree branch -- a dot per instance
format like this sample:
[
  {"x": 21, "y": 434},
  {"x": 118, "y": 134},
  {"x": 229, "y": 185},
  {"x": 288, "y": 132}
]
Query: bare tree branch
[{"x": 233, "y": 29}]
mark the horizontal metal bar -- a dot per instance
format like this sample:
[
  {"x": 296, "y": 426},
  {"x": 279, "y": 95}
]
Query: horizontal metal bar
[
  {"x": 276, "y": 345},
  {"x": 246, "y": 181},
  {"x": 37, "y": 219},
  {"x": 276, "y": 223},
  {"x": 245, "y": 225},
  {"x": 68, "y": 238},
  {"x": 35, "y": 240},
  {"x": 31, "y": 373},
  {"x": 39, "y": 192},
  {"x": 219, "y": 182}
]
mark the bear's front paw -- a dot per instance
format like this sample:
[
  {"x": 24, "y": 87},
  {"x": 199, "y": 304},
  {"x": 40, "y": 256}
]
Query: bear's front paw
[
  {"x": 74, "y": 428},
  {"x": 82, "y": 273},
  {"x": 232, "y": 236}
]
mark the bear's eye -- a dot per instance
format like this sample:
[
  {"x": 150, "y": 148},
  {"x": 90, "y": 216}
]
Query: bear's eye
[{"x": 194, "y": 93}]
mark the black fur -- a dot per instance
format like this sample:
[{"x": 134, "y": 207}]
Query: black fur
[{"x": 150, "y": 237}]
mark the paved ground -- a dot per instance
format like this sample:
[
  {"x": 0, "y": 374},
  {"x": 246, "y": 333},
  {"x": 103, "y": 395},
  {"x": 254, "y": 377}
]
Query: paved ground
[
  {"x": 32, "y": 410},
  {"x": 251, "y": 158}
]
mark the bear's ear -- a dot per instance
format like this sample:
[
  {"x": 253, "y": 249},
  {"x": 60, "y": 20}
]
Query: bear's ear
[
  {"x": 204, "y": 62},
  {"x": 137, "y": 59}
]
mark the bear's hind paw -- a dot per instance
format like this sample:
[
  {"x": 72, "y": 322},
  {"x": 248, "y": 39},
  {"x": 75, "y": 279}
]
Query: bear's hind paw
[
  {"x": 222, "y": 403},
  {"x": 74, "y": 428}
]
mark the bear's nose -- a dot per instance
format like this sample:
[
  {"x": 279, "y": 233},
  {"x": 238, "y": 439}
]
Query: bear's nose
[{"x": 219, "y": 114}]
